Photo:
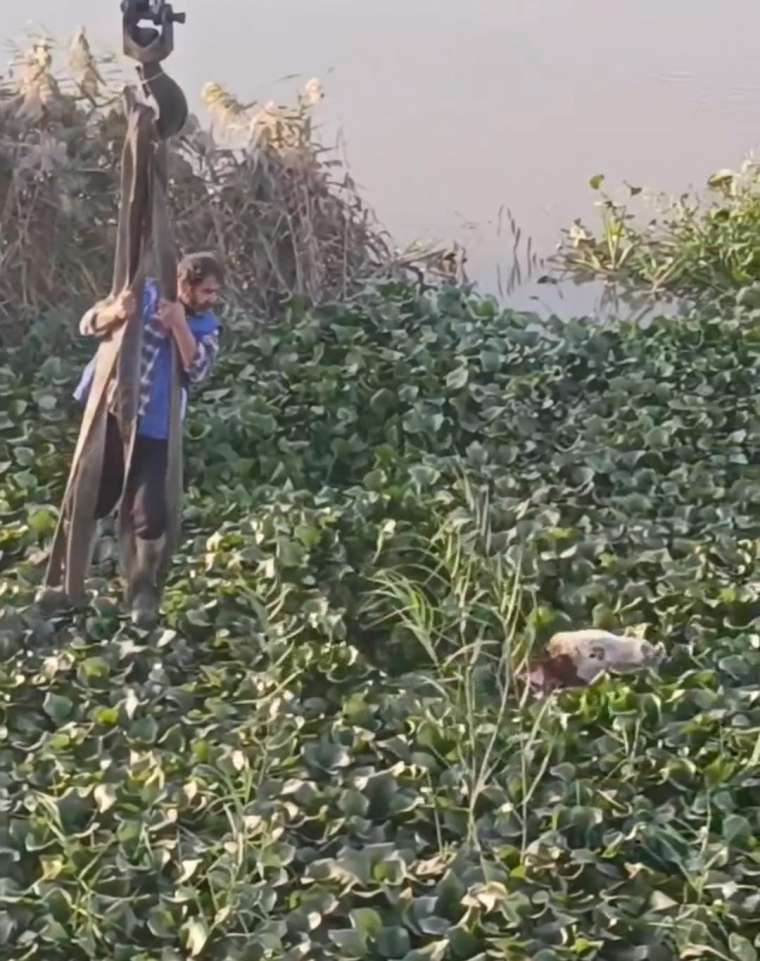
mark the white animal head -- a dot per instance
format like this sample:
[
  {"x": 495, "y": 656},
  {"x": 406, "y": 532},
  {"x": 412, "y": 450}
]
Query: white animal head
[{"x": 594, "y": 651}]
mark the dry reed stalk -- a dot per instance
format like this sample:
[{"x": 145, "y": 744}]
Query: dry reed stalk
[{"x": 275, "y": 203}]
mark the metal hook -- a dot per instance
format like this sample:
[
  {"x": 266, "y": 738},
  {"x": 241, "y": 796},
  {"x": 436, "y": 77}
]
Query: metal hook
[{"x": 147, "y": 44}]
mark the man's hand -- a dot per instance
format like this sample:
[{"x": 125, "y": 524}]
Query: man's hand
[
  {"x": 171, "y": 316},
  {"x": 123, "y": 307},
  {"x": 115, "y": 314},
  {"x": 105, "y": 318}
]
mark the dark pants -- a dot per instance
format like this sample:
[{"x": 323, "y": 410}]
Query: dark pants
[{"x": 146, "y": 486}]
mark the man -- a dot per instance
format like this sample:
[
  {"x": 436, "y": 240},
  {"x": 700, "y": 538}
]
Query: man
[{"x": 194, "y": 328}]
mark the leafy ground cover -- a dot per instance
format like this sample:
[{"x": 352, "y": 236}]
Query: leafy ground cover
[{"x": 326, "y": 752}]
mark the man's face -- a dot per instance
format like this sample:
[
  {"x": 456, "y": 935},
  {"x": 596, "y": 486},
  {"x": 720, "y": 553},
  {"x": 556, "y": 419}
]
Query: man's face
[{"x": 199, "y": 297}]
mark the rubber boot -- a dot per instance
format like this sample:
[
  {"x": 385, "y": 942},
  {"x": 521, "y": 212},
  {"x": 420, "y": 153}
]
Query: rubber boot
[
  {"x": 144, "y": 590},
  {"x": 52, "y": 600}
]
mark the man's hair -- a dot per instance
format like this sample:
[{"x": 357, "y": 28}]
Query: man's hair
[{"x": 195, "y": 268}]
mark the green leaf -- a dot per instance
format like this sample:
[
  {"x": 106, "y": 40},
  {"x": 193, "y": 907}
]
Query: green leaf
[
  {"x": 107, "y": 716},
  {"x": 24, "y": 456},
  {"x": 423, "y": 476},
  {"x": 366, "y": 921},
  {"x": 94, "y": 668},
  {"x": 737, "y": 830},
  {"x": 464, "y": 945},
  {"x": 375, "y": 480},
  {"x": 741, "y": 948},
  {"x": 42, "y": 522},
  {"x": 47, "y": 401},
  {"x": 162, "y": 925},
  {"x": 354, "y": 803},
  {"x": 7, "y": 927},
  {"x": 491, "y": 361},
  {"x": 457, "y": 378},
  {"x": 660, "y": 901},
  {"x": 657, "y": 438},
  {"x": 144, "y": 729},
  {"x": 434, "y": 951},
  {"x": 290, "y": 553},
  {"x": 264, "y": 424},
  {"x": 382, "y": 401},
  {"x": 351, "y": 943},
  {"x": 393, "y": 942},
  {"x": 58, "y": 707}
]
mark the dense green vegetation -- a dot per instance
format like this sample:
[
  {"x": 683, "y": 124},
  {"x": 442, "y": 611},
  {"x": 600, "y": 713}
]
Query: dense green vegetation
[
  {"x": 686, "y": 247},
  {"x": 327, "y": 750}
]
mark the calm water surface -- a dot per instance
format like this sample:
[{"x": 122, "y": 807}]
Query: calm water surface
[{"x": 453, "y": 110}]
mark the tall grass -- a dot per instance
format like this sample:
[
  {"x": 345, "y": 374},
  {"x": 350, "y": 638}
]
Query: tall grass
[{"x": 463, "y": 605}]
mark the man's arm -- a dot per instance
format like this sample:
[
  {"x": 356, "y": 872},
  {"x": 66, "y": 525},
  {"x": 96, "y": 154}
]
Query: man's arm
[
  {"x": 104, "y": 318},
  {"x": 171, "y": 315}
]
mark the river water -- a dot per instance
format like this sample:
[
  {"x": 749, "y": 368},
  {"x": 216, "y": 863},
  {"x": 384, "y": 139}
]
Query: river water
[{"x": 451, "y": 111}]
